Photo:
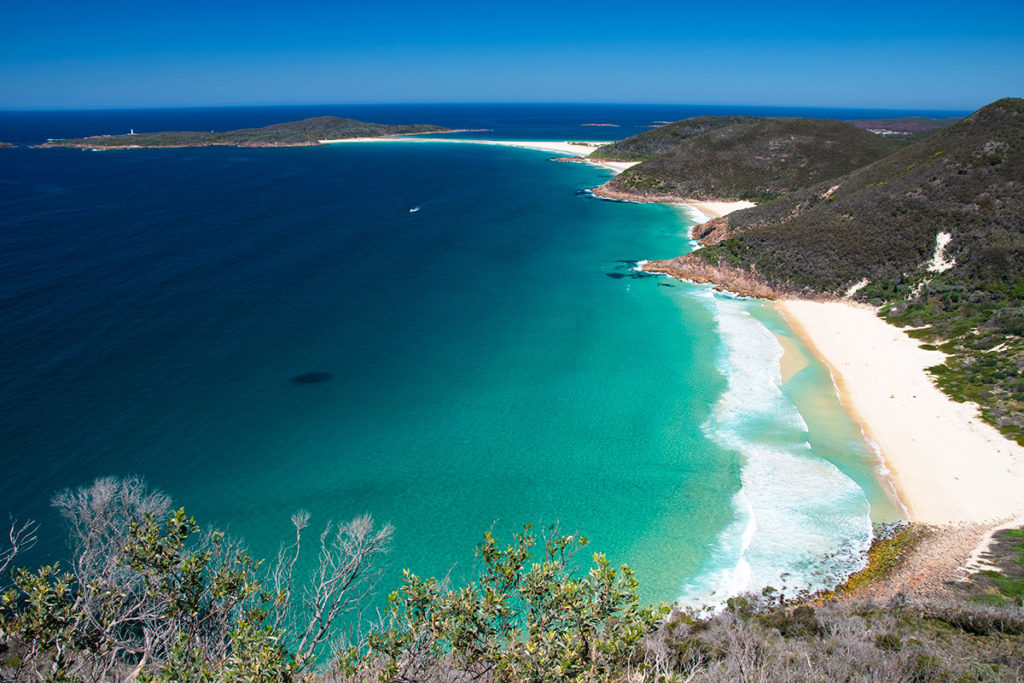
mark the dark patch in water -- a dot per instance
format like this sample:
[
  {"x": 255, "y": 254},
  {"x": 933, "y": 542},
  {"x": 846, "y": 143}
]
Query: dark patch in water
[
  {"x": 311, "y": 378},
  {"x": 632, "y": 275},
  {"x": 664, "y": 284}
]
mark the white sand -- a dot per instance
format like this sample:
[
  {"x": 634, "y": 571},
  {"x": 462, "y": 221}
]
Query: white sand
[
  {"x": 948, "y": 466},
  {"x": 565, "y": 147},
  {"x": 718, "y": 209}
]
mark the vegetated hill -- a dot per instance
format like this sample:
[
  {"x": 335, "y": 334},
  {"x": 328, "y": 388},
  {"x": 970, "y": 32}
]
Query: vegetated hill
[
  {"x": 883, "y": 223},
  {"x": 760, "y": 160},
  {"x": 664, "y": 138},
  {"x": 291, "y": 134}
]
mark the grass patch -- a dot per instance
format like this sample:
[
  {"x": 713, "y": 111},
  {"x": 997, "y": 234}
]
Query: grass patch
[{"x": 884, "y": 557}]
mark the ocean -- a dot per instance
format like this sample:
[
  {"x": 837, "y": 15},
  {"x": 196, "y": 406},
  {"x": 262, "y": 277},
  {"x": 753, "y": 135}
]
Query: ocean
[{"x": 487, "y": 355}]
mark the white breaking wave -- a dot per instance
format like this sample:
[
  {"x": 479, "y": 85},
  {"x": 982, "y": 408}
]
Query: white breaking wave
[{"x": 800, "y": 523}]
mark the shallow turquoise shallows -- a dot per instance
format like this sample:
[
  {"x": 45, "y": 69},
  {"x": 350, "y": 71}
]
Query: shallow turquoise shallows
[{"x": 478, "y": 352}]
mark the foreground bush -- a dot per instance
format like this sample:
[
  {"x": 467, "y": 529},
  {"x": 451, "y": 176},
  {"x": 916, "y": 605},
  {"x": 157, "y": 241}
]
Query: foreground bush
[
  {"x": 521, "y": 619},
  {"x": 149, "y": 595}
]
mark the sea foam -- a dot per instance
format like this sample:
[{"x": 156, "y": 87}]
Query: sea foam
[{"x": 800, "y": 523}]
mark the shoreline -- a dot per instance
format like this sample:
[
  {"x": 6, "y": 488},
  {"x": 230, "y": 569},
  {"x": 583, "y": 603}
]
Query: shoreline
[
  {"x": 958, "y": 479},
  {"x": 578, "y": 151},
  {"x": 709, "y": 209},
  {"x": 947, "y": 466}
]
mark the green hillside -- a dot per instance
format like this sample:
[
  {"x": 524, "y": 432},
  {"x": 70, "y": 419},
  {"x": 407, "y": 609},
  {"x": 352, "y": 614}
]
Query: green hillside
[
  {"x": 758, "y": 159},
  {"x": 881, "y": 224},
  {"x": 664, "y": 138},
  {"x": 291, "y": 134}
]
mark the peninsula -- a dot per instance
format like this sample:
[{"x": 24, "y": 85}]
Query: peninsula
[
  {"x": 304, "y": 133},
  {"x": 927, "y": 235}
]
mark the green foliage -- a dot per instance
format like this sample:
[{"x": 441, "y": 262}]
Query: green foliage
[
  {"x": 889, "y": 641},
  {"x": 519, "y": 619},
  {"x": 38, "y": 611},
  {"x": 1004, "y": 584},
  {"x": 209, "y": 602},
  {"x": 162, "y": 601},
  {"x": 195, "y": 590},
  {"x": 798, "y": 622}
]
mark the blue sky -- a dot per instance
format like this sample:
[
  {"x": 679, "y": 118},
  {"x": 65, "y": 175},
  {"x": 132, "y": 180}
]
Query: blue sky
[{"x": 111, "y": 53}]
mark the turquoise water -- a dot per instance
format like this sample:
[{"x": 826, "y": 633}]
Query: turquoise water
[{"x": 493, "y": 361}]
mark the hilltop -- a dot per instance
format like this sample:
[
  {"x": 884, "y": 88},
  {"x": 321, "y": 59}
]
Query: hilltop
[
  {"x": 292, "y": 134},
  {"x": 663, "y": 139},
  {"x": 934, "y": 233},
  {"x": 756, "y": 159}
]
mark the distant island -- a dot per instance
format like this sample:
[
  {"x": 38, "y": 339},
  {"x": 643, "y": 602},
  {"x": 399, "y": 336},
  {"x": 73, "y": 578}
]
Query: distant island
[
  {"x": 5, "y": 144},
  {"x": 304, "y": 133}
]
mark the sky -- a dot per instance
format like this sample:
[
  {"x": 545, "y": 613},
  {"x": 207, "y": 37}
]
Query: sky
[{"x": 114, "y": 53}]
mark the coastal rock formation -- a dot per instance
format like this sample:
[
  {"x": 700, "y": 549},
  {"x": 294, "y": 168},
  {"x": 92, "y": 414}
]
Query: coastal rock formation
[
  {"x": 736, "y": 280},
  {"x": 713, "y": 231}
]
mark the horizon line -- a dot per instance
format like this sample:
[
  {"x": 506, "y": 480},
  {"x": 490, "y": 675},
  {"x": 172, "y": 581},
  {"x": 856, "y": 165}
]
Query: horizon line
[{"x": 71, "y": 108}]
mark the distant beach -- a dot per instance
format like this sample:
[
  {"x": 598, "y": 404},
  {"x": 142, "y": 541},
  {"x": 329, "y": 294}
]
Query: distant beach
[{"x": 574, "y": 149}]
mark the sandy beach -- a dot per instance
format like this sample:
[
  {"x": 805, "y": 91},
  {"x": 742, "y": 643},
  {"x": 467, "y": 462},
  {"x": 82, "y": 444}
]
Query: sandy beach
[
  {"x": 568, "y": 148},
  {"x": 713, "y": 210},
  {"x": 948, "y": 466}
]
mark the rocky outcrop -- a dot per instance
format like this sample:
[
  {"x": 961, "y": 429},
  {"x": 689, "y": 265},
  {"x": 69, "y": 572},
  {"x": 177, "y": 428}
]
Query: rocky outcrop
[
  {"x": 713, "y": 231},
  {"x": 610, "y": 191},
  {"x": 695, "y": 269}
]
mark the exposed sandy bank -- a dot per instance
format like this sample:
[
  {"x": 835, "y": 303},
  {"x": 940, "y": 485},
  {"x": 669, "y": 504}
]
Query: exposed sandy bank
[{"x": 947, "y": 464}]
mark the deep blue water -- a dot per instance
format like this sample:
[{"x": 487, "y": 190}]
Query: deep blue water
[
  {"x": 491, "y": 359},
  {"x": 508, "y": 121}
]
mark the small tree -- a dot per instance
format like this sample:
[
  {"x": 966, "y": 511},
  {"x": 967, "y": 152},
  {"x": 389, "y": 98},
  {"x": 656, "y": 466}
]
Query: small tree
[
  {"x": 153, "y": 597},
  {"x": 518, "y": 620}
]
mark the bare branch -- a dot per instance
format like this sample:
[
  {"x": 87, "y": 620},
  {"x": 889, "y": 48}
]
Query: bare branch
[
  {"x": 346, "y": 574},
  {"x": 21, "y": 536}
]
